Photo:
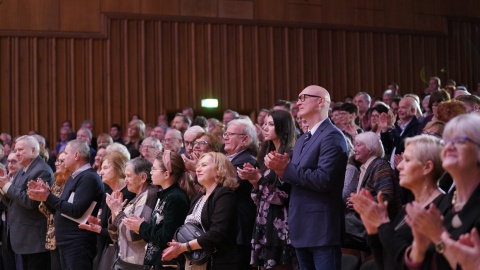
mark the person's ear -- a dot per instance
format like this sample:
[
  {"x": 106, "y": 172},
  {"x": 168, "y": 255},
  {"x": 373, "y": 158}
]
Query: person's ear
[{"x": 427, "y": 167}]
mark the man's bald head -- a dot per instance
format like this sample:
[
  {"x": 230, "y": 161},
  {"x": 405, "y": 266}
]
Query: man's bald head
[{"x": 314, "y": 102}]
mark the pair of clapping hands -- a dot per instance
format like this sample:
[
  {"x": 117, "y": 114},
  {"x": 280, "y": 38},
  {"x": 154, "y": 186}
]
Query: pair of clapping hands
[
  {"x": 273, "y": 160},
  {"x": 38, "y": 190},
  {"x": 116, "y": 203}
]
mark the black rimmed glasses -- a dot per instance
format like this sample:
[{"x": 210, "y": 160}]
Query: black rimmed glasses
[
  {"x": 461, "y": 140},
  {"x": 191, "y": 144},
  {"x": 303, "y": 96}
]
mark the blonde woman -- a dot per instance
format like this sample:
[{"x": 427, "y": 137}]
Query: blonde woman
[{"x": 216, "y": 211}]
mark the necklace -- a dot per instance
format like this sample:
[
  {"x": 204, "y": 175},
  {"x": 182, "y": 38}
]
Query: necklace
[
  {"x": 428, "y": 200},
  {"x": 457, "y": 206},
  {"x": 424, "y": 205}
]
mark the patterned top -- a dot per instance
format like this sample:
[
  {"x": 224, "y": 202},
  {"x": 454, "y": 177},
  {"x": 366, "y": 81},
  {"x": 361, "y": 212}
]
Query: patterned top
[
  {"x": 271, "y": 238},
  {"x": 50, "y": 241},
  {"x": 196, "y": 216},
  {"x": 132, "y": 246}
]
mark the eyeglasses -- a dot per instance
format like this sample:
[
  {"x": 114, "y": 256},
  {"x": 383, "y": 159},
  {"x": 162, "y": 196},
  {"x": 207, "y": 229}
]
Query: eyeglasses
[
  {"x": 303, "y": 96},
  {"x": 147, "y": 147},
  {"x": 59, "y": 161},
  {"x": 374, "y": 115},
  {"x": 228, "y": 134},
  {"x": 187, "y": 143},
  {"x": 12, "y": 161},
  {"x": 459, "y": 140},
  {"x": 167, "y": 140},
  {"x": 201, "y": 143}
]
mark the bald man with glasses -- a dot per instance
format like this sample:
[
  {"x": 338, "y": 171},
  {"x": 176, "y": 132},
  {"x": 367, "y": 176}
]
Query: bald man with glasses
[{"x": 316, "y": 173}]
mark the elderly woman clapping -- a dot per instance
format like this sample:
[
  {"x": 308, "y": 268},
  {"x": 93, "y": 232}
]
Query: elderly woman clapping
[
  {"x": 376, "y": 174},
  {"x": 420, "y": 170},
  {"x": 461, "y": 158},
  {"x": 138, "y": 180},
  {"x": 376, "y": 177}
]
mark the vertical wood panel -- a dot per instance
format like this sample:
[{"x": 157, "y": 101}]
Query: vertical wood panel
[{"x": 155, "y": 66}]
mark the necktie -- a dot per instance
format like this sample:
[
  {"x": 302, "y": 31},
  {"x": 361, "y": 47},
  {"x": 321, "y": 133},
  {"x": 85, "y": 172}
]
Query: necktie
[{"x": 308, "y": 135}]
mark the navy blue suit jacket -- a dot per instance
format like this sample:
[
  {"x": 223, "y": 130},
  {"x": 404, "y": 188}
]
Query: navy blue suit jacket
[{"x": 317, "y": 173}]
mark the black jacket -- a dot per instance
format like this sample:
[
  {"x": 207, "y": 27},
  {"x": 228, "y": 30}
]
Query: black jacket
[{"x": 219, "y": 219}]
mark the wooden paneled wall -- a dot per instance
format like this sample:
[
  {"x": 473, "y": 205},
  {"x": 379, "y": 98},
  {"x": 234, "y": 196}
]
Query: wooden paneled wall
[
  {"x": 84, "y": 16},
  {"x": 151, "y": 65}
]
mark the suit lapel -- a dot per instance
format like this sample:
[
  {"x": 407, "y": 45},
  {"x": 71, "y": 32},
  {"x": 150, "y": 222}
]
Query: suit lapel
[
  {"x": 313, "y": 140},
  {"x": 29, "y": 170}
]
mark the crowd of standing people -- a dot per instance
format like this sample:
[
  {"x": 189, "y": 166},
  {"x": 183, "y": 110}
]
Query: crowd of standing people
[{"x": 312, "y": 182}]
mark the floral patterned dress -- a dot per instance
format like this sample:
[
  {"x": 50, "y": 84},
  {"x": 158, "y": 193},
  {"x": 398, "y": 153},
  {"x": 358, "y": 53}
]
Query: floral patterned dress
[{"x": 271, "y": 239}]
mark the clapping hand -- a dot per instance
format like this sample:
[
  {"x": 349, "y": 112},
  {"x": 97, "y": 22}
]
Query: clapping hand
[
  {"x": 133, "y": 223},
  {"x": 466, "y": 250},
  {"x": 115, "y": 201},
  {"x": 190, "y": 163},
  {"x": 3, "y": 178},
  {"x": 249, "y": 173},
  {"x": 94, "y": 225},
  {"x": 277, "y": 162},
  {"x": 38, "y": 190},
  {"x": 373, "y": 214},
  {"x": 173, "y": 250}
]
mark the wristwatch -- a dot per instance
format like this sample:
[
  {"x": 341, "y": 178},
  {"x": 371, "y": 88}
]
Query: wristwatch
[{"x": 440, "y": 247}]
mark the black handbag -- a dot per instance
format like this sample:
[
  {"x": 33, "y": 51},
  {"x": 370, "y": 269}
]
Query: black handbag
[
  {"x": 355, "y": 232},
  {"x": 188, "y": 232},
  {"x": 108, "y": 258}
]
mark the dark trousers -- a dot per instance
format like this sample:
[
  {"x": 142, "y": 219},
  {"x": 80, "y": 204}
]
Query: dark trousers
[
  {"x": 36, "y": 261},
  {"x": 55, "y": 260},
  {"x": 77, "y": 255},
  {"x": 319, "y": 258},
  {"x": 244, "y": 254},
  {"x": 8, "y": 256}
]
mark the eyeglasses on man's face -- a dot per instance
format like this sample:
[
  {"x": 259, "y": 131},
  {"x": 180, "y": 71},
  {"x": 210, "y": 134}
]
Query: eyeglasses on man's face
[
  {"x": 187, "y": 143},
  {"x": 303, "y": 96},
  {"x": 168, "y": 140},
  {"x": 147, "y": 147}
]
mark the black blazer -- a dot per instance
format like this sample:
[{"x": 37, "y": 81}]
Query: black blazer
[
  {"x": 88, "y": 188},
  {"x": 246, "y": 207},
  {"x": 392, "y": 138},
  {"x": 219, "y": 219},
  {"x": 469, "y": 216}
]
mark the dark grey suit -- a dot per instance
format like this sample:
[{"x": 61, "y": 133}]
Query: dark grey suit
[{"x": 27, "y": 227}]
